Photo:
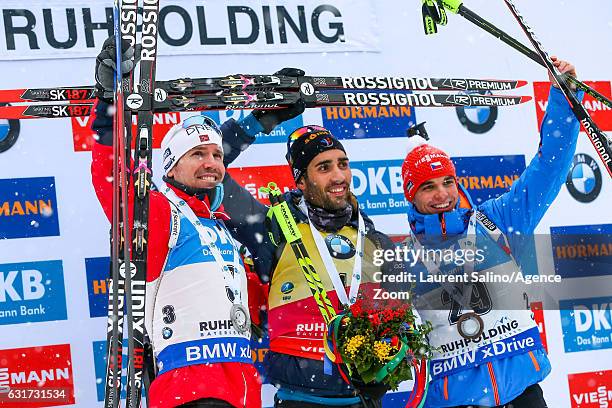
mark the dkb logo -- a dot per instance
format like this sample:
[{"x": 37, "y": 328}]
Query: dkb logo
[{"x": 32, "y": 292}]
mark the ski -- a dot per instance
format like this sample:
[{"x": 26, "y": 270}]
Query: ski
[
  {"x": 281, "y": 212},
  {"x": 270, "y": 82},
  {"x": 421, "y": 100},
  {"x": 48, "y": 111},
  {"x": 114, "y": 336},
  {"x": 278, "y": 100},
  {"x": 116, "y": 292},
  {"x": 414, "y": 84},
  {"x": 120, "y": 248},
  {"x": 142, "y": 102},
  {"x": 457, "y": 7},
  {"x": 598, "y": 138},
  {"x": 48, "y": 94},
  {"x": 280, "y": 82}
]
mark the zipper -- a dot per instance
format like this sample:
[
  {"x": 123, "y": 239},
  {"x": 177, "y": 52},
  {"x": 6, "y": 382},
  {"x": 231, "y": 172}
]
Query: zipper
[
  {"x": 493, "y": 383},
  {"x": 245, "y": 384},
  {"x": 446, "y": 388},
  {"x": 534, "y": 361},
  {"x": 443, "y": 224}
]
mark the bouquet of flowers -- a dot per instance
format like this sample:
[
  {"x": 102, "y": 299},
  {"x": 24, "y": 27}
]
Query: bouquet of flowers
[{"x": 380, "y": 346}]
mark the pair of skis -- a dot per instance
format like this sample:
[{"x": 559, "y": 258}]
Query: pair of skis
[
  {"x": 127, "y": 283},
  {"x": 434, "y": 13},
  {"x": 241, "y": 82},
  {"x": 267, "y": 92}
]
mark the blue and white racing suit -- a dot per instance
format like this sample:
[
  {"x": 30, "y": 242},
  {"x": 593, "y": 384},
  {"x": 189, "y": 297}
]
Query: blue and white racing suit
[{"x": 508, "y": 356}]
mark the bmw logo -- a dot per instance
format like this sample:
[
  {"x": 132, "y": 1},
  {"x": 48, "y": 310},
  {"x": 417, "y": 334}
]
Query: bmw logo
[
  {"x": 166, "y": 333},
  {"x": 477, "y": 119},
  {"x": 9, "y": 132},
  {"x": 287, "y": 288},
  {"x": 340, "y": 246},
  {"x": 584, "y": 178}
]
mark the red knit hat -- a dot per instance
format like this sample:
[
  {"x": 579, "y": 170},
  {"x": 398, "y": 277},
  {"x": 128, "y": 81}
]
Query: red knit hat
[{"x": 423, "y": 162}]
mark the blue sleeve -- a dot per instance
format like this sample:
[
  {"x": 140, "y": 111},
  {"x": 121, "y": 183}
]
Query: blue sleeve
[
  {"x": 237, "y": 136},
  {"x": 247, "y": 215},
  {"x": 521, "y": 208},
  {"x": 247, "y": 224},
  {"x": 103, "y": 123}
]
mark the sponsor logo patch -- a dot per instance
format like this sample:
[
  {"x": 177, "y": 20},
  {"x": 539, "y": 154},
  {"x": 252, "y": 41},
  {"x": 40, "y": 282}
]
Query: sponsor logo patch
[
  {"x": 601, "y": 114},
  {"x": 586, "y": 323},
  {"x": 538, "y": 316},
  {"x": 32, "y": 292},
  {"x": 584, "y": 178},
  {"x": 251, "y": 178},
  {"x": 378, "y": 184},
  {"x": 44, "y": 373},
  {"x": 358, "y": 122},
  {"x": 339, "y": 246},
  {"x": 9, "y": 133},
  {"x": 582, "y": 250},
  {"x": 28, "y": 208},
  {"x": 259, "y": 348},
  {"x": 287, "y": 288},
  {"x": 477, "y": 119},
  {"x": 83, "y": 135},
  {"x": 97, "y": 273},
  {"x": 488, "y": 177},
  {"x": 278, "y": 135},
  {"x": 590, "y": 390}
]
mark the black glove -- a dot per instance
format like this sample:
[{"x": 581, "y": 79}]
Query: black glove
[
  {"x": 373, "y": 391},
  {"x": 269, "y": 119},
  {"x": 106, "y": 66},
  {"x": 103, "y": 123}
]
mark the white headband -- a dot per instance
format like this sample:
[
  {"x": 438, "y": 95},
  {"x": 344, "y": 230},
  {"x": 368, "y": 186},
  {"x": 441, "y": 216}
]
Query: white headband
[{"x": 179, "y": 140}]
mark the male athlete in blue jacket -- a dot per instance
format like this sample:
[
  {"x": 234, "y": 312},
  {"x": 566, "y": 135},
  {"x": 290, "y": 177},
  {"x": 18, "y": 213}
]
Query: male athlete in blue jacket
[{"x": 489, "y": 351}]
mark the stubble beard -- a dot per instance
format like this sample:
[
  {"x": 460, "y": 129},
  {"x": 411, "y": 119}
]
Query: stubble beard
[{"x": 318, "y": 197}]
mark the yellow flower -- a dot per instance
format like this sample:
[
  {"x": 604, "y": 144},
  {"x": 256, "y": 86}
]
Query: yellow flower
[
  {"x": 353, "y": 344},
  {"x": 382, "y": 350}
]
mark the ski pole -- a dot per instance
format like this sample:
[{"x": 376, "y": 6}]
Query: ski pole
[
  {"x": 598, "y": 139},
  {"x": 457, "y": 7},
  {"x": 116, "y": 285},
  {"x": 280, "y": 211}
]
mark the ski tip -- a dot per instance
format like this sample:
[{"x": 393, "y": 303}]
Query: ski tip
[
  {"x": 521, "y": 83},
  {"x": 525, "y": 98}
]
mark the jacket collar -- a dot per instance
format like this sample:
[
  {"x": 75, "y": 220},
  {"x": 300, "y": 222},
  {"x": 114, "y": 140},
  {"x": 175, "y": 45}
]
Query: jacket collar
[
  {"x": 293, "y": 198},
  {"x": 199, "y": 203},
  {"x": 453, "y": 222}
]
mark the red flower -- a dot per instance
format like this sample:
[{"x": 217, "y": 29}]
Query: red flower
[
  {"x": 393, "y": 304},
  {"x": 395, "y": 342},
  {"x": 357, "y": 308}
]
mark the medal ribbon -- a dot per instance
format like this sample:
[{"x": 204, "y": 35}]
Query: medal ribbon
[
  {"x": 330, "y": 266},
  {"x": 233, "y": 282}
]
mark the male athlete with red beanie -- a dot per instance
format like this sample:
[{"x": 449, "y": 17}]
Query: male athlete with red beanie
[{"x": 489, "y": 354}]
